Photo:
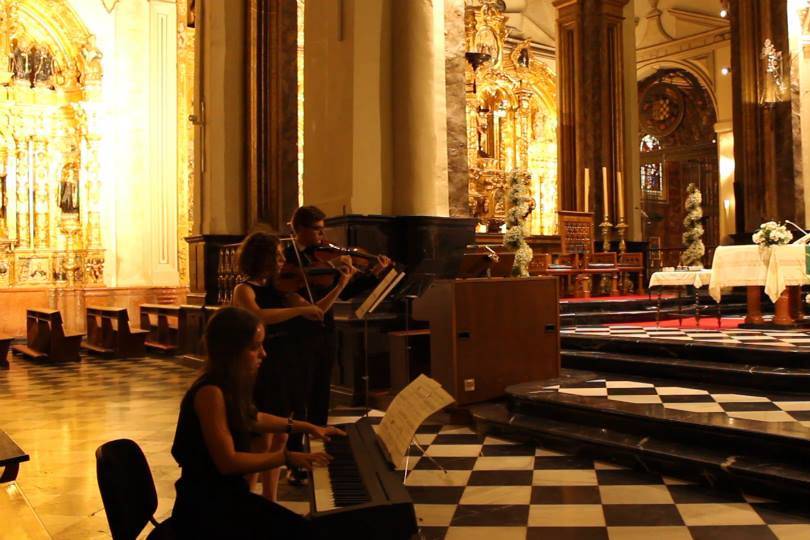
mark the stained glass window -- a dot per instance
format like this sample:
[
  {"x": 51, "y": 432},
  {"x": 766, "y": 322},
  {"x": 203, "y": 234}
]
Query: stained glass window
[{"x": 650, "y": 144}]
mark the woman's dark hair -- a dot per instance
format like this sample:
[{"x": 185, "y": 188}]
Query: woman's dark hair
[
  {"x": 256, "y": 252},
  {"x": 228, "y": 334},
  {"x": 306, "y": 216}
]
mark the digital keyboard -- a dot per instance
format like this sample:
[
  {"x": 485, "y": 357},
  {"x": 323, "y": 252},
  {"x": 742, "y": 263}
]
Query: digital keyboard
[{"x": 359, "y": 493}]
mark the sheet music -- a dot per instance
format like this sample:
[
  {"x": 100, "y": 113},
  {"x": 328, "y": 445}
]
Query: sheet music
[
  {"x": 409, "y": 409},
  {"x": 380, "y": 291}
]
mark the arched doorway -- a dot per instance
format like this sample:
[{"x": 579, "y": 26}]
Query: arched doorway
[{"x": 678, "y": 147}]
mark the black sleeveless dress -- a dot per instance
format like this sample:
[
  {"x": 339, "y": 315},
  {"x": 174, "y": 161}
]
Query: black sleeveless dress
[
  {"x": 283, "y": 380},
  {"x": 213, "y": 505}
]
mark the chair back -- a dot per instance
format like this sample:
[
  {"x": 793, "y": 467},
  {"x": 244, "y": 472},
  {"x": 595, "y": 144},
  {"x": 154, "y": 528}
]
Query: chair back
[
  {"x": 576, "y": 231},
  {"x": 126, "y": 486}
]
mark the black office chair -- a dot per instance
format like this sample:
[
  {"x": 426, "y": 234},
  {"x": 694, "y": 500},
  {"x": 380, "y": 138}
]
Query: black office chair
[{"x": 128, "y": 491}]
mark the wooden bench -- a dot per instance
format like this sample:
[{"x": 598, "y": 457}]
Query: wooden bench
[
  {"x": 166, "y": 324},
  {"x": 197, "y": 317},
  {"x": 109, "y": 333},
  {"x": 17, "y": 517},
  {"x": 46, "y": 338},
  {"x": 11, "y": 456},
  {"x": 5, "y": 345}
]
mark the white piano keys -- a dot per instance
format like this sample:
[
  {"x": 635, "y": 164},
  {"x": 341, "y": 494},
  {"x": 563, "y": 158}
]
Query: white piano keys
[{"x": 321, "y": 483}]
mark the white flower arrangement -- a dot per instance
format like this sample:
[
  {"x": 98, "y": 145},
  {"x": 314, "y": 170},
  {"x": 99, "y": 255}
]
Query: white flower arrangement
[
  {"x": 772, "y": 233},
  {"x": 520, "y": 206}
]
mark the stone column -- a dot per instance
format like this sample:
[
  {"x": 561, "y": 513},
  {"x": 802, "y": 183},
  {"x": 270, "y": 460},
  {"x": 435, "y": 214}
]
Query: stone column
[
  {"x": 590, "y": 71},
  {"x": 763, "y": 140},
  {"x": 220, "y": 116},
  {"x": 419, "y": 92},
  {"x": 219, "y": 141}
]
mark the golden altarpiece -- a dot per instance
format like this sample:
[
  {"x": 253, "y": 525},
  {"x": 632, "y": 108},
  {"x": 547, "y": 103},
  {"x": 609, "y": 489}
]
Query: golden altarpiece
[
  {"x": 50, "y": 187},
  {"x": 511, "y": 120}
]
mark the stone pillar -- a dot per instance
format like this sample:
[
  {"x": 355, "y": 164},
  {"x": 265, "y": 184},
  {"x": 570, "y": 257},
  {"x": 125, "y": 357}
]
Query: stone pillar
[
  {"x": 590, "y": 75},
  {"x": 763, "y": 140},
  {"x": 272, "y": 120},
  {"x": 219, "y": 142},
  {"x": 419, "y": 93}
]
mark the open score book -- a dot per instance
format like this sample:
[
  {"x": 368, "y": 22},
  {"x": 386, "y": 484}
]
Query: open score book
[{"x": 409, "y": 409}]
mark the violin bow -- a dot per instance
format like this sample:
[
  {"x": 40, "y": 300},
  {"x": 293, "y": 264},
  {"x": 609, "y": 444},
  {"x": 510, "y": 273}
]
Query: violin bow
[{"x": 300, "y": 264}]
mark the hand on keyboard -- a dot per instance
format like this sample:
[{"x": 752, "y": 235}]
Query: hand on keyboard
[
  {"x": 307, "y": 461},
  {"x": 326, "y": 433}
]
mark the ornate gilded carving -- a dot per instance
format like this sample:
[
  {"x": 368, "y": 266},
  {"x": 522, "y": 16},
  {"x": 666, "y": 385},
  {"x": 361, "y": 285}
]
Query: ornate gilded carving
[
  {"x": 49, "y": 147},
  {"x": 511, "y": 120}
]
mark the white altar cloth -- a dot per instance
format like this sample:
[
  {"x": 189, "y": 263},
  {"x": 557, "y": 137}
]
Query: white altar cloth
[
  {"x": 695, "y": 278},
  {"x": 775, "y": 268}
]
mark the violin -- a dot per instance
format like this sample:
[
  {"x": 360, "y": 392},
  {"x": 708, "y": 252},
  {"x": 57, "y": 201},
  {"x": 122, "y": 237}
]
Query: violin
[
  {"x": 291, "y": 278},
  {"x": 362, "y": 260}
]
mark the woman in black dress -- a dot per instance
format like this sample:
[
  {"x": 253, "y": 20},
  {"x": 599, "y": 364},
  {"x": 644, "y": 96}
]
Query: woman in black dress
[
  {"x": 213, "y": 439},
  {"x": 283, "y": 384}
]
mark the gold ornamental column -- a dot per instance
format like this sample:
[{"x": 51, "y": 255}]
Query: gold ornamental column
[
  {"x": 23, "y": 207},
  {"x": 41, "y": 194},
  {"x": 591, "y": 99}
]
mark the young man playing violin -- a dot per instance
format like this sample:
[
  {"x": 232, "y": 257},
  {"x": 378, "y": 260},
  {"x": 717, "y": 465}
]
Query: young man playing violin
[{"x": 308, "y": 234}]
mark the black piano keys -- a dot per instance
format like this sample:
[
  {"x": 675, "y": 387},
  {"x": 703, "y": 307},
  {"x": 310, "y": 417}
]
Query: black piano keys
[{"x": 347, "y": 483}]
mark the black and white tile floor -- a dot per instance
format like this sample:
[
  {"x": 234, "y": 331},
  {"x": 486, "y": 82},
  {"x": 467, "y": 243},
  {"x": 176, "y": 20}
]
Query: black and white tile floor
[
  {"x": 727, "y": 336},
  {"x": 492, "y": 489}
]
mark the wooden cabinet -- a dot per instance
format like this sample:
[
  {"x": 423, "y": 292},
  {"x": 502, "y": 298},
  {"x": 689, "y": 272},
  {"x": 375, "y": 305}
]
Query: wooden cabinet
[{"x": 486, "y": 334}]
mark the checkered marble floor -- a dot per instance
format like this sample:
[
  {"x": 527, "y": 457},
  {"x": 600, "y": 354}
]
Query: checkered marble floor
[
  {"x": 750, "y": 338},
  {"x": 498, "y": 489},
  {"x": 694, "y": 399},
  {"x": 493, "y": 488}
]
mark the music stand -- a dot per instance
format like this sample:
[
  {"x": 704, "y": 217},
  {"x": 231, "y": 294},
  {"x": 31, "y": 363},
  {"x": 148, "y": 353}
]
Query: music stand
[{"x": 367, "y": 307}]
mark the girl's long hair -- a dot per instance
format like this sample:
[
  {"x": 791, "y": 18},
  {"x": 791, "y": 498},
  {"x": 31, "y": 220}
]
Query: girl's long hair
[
  {"x": 228, "y": 334},
  {"x": 256, "y": 253}
]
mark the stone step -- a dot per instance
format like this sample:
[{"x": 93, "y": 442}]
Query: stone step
[
  {"x": 743, "y": 375},
  {"x": 717, "y": 467}
]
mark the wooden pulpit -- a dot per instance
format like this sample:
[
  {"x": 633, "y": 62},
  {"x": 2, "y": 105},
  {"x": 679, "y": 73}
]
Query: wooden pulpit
[{"x": 489, "y": 333}]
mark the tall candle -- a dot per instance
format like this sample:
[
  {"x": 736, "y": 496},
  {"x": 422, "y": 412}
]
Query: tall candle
[
  {"x": 620, "y": 195},
  {"x": 587, "y": 189},
  {"x": 605, "y": 193}
]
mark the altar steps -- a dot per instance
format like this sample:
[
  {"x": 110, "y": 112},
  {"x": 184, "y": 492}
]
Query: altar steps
[
  {"x": 703, "y": 371},
  {"x": 661, "y": 432},
  {"x": 606, "y": 310},
  {"x": 770, "y": 477},
  {"x": 750, "y": 356}
]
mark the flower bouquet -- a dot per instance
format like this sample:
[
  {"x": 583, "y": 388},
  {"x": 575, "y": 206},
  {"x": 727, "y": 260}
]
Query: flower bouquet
[{"x": 772, "y": 233}]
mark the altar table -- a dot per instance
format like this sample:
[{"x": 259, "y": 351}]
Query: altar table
[{"x": 776, "y": 268}]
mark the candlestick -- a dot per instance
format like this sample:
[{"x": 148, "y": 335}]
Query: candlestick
[
  {"x": 587, "y": 189},
  {"x": 605, "y": 195},
  {"x": 606, "y": 226},
  {"x": 621, "y": 230},
  {"x": 620, "y": 196}
]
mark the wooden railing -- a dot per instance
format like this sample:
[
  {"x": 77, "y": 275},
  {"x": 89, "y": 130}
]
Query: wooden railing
[{"x": 227, "y": 273}]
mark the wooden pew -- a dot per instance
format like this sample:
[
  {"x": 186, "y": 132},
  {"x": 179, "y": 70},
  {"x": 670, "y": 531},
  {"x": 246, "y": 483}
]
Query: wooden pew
[
  {"x": 11, "y": 456},
  {"x": 109, "y": 333},
  {"x": 165, "y": 323},
  {"x": 46, "y": 338},
  {"x": 18, "y": 519},
  {"x": 5, "y": 344},
  {"x": 197, "y": 318}
]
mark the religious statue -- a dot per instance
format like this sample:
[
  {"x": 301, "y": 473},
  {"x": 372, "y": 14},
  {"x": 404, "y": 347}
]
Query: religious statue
[
  {"x": 91, "y": 60},
  {"x": 21, "y": 60},
  {"x": 69, "y": 189},
  {"x": 42, "y": 61}
]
